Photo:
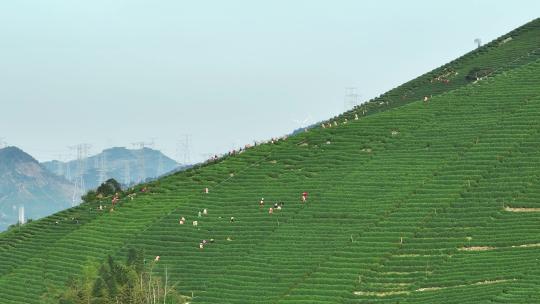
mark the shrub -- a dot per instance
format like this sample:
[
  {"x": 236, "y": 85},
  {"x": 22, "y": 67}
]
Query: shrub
[
  {"x": 109, "y": 187},
  {"x": 114, "y": 282},
  {"x": 477, "y": 73}
]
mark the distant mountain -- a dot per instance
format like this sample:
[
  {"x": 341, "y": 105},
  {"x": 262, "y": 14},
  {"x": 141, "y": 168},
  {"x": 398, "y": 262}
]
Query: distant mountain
[
  {"x": 25, "y": 183},
  {"x": 122, "y": 164}
]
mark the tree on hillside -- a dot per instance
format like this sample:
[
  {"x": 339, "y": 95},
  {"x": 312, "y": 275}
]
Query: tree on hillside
[
  {"x": 477, "y": 73},
  {"x": 114, "y": 282},
  {"x": 109, "y": 187}
]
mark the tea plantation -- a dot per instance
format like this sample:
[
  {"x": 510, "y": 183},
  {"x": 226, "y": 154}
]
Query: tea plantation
[{"x": 414, "y": 202}]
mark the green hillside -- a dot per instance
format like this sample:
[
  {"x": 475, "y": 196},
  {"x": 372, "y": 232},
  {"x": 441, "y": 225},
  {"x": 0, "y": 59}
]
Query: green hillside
[
  {"x": 434, "y": 202},
  {"x": 518, "y": 47}
]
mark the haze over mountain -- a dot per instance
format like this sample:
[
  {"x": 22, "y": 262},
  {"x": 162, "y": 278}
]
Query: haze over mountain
[
  {"x": 125, "y": 165},
  {"x": 426, "y": 194},
  {"x": 24, "y": 182}
]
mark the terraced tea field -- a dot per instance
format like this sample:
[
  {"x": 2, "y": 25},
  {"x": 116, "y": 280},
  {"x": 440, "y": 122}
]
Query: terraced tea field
[
  {"x": 413, "y": 202},
  {"x": 519, "y": 47}
]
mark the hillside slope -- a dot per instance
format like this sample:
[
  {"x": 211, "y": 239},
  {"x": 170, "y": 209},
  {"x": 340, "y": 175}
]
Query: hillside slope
[
  {"x": 516, "y": 48},
  {"x": 24, "y": 183},
  {"x": 426, "y": 203}
]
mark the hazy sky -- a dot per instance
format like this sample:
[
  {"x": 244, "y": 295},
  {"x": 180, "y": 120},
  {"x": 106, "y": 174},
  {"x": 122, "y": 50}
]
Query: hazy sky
[{"x": 110, "y": 72}]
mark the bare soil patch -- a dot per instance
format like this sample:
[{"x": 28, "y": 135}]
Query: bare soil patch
[
  {"x": 512, "y": 209},
  {"x": 476, "y": 248},
  {"x": 486, "y": 282},
  {"x": 380, "y": 293}
]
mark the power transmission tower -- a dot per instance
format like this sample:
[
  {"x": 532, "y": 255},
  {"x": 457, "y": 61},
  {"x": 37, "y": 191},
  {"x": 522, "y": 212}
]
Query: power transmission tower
[
  {"x": 102, "y": 168},
  {"x": 351, "y": 98},
  {"x": 67, "y": 169},
  {"x": 184, "y": 149},
  {"x": 207, "y": 156},
  {"x": 60, "y": 166},
  {"x": 140, "y": 158},
  {"x": 160, "y": 169},
  {"x": 127, "y": 173},
  {"x": 478, "y": 42},
  {"x": 79, "y": 187},
  {"x": 22, "y": 219}
]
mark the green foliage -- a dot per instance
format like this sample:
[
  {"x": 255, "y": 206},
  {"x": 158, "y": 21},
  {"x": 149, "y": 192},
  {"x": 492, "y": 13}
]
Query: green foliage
[
  {"x": 386, "y": 216},
  {"x": 478, "y": 73},
  {"x": 135, "y": 259},
  {"x": 90, "y": 196},
  {"x": 114, "y": 282},
  {"x": 109, "y": 187}
]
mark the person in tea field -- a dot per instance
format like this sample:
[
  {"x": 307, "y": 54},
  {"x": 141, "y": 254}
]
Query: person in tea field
[
  {"x": 304, "y": 196},
  {"x": 199, "y": 214},
  {"x": 205, "y": 211},
  {"x": 115, "y": 199},
  {"x": 270, "y": 210},
  {"x": 261, "y": 203},
  {"x": 206, "y": 190},
  {"x": 233, "y": 219}
]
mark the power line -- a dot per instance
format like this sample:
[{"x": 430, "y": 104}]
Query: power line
[
  {"x": 140, "y": 158},
  {"x": 127, "y": 173},
  {"x": 102, "y": 168},
  {"x": 60, "y": 166},
  {"x": 159, "y": 167},
  {"x": 352, "y": 98},
  {"x": 184, "y": 149},
  {"x": 78, "y": 185},
  {"x": 207, "y": 156},
  {"x": 67, "y": 169}
]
